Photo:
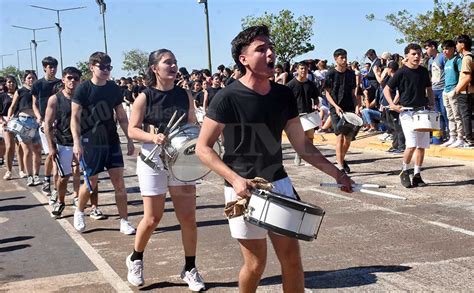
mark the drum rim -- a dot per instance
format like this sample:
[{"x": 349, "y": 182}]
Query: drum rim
[
  {"x": 290, "y": 202},
  {"x": 282, "y": 231}
]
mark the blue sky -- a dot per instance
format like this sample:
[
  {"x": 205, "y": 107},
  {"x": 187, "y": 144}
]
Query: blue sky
[{"x": 179, "y": 25}]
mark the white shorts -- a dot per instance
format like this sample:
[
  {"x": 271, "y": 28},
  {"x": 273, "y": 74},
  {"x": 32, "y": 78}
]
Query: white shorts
[
  {"x": 153, "y": 182},
  {"x": 44, "y": 140},
  {"x": 239, "y": 228},
  {"x": 413, "y": 138},
  {"x": 65, "y": 154}
]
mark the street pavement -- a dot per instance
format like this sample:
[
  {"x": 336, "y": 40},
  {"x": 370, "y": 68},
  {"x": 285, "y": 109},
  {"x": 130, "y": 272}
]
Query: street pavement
[{"x": 368, "y": 241}]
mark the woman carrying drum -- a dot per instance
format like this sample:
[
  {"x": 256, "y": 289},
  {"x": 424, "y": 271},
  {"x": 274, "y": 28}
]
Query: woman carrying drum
[
  {"x": 6, "y": 98},
  {"x": 155, "y": 106},
  {"x": 31, "y": 144}
]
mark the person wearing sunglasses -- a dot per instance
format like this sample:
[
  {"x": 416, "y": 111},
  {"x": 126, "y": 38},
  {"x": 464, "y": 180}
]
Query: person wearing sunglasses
[
  {"x": 96, "y": 143},
  {"x": 59, "y": 139}
]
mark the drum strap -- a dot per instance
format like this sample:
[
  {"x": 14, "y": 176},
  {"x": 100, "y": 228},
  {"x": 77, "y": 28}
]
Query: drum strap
[{"x": 150, "y": 163}]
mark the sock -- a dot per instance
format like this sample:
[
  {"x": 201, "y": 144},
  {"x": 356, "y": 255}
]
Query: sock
[
  {"x": 405, "y": 166},
  {"x": 417, "y": 169},
  {"x": 190, "y": 263},
  {"x": 136, "y": 255},
  {"x": 47, "y": 178}
]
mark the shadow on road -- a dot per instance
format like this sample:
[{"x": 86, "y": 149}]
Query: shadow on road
[
  {"x": 15, "y": 239},
  {"x": 14, "y": 247},
  {"x": 199, "y": 224},
  {"x": 453, "y": 183},
  {"x": 12, "y": 198},
  {"x": 18, "y": 207}
]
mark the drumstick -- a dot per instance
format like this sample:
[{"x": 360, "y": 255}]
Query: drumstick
[
  {"x": 356, "y": 185},
  {"x": 177, "y": 122},
  {"x": 86, "y": 178},
  {"x": 165, "y": 132}
]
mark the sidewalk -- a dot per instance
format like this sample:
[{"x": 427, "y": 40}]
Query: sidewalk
[{"x": 371, "y": 142}]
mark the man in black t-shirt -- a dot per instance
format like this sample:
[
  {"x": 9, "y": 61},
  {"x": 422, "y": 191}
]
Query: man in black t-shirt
[
  {"x": 41, "y": 90},
  {"x": 414, "y": 84},
  {"x": 252, "y": 112},
  {"x": 96, "y": 141},
  {"x": 306, "y": 94},
  {"x": 340, "y": 87}
]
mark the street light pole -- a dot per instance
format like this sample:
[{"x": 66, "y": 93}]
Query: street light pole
[
  {"x": 31, "y": 54},
  {"x": 206, "y": 12},
  {"x": 34, "y": 39},
  {"x": 3, "y": 55},
  {"x": 58, "y": 25},
  {"x": 103, "y": 7}
]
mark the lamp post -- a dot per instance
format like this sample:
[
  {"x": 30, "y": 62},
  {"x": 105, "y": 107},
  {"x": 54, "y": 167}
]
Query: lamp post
[
  {"x": 206, "y": 12},
  {"x": 34, "y": 39},
  {"x": 3, "y": 55},
  {"x": 31, "y": 54},
  {"x": 58, "y": 25},
  {"x": 102, "y": 8}
]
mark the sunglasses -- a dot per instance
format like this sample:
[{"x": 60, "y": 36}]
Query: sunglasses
[
  {"x": 75, "y": 78},
  {"x": 103, "y": 67}
]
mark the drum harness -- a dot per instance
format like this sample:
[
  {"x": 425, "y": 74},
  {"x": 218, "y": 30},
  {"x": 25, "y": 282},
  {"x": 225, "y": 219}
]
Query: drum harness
[{"x": 169, "y": 128}]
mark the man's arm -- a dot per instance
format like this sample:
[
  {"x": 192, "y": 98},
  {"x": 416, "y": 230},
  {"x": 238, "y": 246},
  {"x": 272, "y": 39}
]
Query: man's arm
[
  {"x": 208, "y": 136},
  {"x": 36, "y": 109},
  {"x": 388, "y": 96},
  {"x": 49, "y": 118},
  {"x": 123, "y": 121},
  {"x": 305, "y": 148},
  {"x": 76, "y": 111},
  {"x": 430, "y": 94},
  {"x": 332, "y": 102}
]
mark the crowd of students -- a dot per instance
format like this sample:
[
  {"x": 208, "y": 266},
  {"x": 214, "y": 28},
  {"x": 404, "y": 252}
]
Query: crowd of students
[{"x": 75, "y": 125}]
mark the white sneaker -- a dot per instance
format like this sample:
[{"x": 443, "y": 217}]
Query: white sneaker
[
  {"x": 23, "y": 174},
  {"x": 135, "y": 271},
  {"x": 194, "y": 280},
  {"x": 449, "y": 142},
  {"x": 79, "y": 223},
  {"x": 457, "y": 143},
  {"x": 8, "y": 175},
  {"x": 126, "y": 228},
  {"x": 383, "y": 136}
]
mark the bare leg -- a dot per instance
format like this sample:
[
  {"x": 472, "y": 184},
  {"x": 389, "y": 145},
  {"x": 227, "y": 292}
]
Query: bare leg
[
  {"x": 153, "y": 207},
  {"x": 184, "y": 202},
  {"x": 420, "y": 156},
  {"x": 116, "y": 176},
  {"x": 36, "y": 158},
  {"x": 28, "y": 157},
  {"x": 408, "y": 154},
  {"x": 288, "y": 253},
  {"x": 10, "y": 149},
  {"x": 254, "y": 252},
  {"x": 84, "y": 194}
]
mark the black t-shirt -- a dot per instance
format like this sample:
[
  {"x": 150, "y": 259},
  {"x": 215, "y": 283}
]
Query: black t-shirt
[
  {"x": 5, "y": 103},
  {"x": 63, "y": 120},
  {"x": 340, "y": 86},
  {"x": 229, "y": 81},
  {"x": 97, "y": 119},
  {"x": 211, "y": 92},
  {"x": 128, "y": 96},
  {"x": 306, "y": 94},
  {"x": 253, "y": 128},
  {"x": 199, "y": 97},
  {"x": 43, "y": 89},
  {"x": 411, "y": 84},
  {"x": 160, "y": 106},
  {"x": 25, "y": 100}
]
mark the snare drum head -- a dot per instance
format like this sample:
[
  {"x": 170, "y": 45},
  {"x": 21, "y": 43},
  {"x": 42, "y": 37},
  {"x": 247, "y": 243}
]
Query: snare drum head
[{"x": 352, "y": 118}]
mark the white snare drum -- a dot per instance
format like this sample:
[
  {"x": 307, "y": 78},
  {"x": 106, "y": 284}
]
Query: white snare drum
[
  {"x": 426, "y": 121},
  {"x": 310, "y": 120},
  {"x": 180, "y": 156},
  {"x": 284, "y": 215},
  {"x": 15, "y": 126}
]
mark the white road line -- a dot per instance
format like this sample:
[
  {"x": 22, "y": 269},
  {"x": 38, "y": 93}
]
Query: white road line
[
  {"x": 106, "y": 270},
  {"x": 383, "y": 194},
  {"x": 328, "y": 193},
  {"x": 453, "y": 228}
]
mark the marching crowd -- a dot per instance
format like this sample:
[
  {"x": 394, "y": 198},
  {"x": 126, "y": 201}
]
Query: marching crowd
[{"x": 74, "y": 123}]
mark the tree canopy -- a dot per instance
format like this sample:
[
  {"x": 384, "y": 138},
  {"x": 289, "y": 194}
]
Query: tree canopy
[
  {"x": 12, "y": 70},
  {"x": 83, "y": 66},
  {"x": 135, "y": 61},
  {"x": 446, "y": 21},
  {"x": 291, "y": 37}
]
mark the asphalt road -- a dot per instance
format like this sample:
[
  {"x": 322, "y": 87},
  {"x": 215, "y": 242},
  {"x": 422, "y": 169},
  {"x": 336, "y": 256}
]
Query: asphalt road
[{"x": 367, "y": 241}]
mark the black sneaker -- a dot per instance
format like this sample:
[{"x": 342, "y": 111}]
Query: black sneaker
[
  {"x": 57, "y": 210},
  {"x": 391, "y": 150},
  {"x": 405, "y": 179},
  {"x": 417, "y": 181},
  {"x": 46, "y": 188},
  {"x": 346, "y": 167}
]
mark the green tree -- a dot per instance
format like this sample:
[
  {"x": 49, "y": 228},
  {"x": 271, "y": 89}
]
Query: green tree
[
  {"x": 135, "y": 61},
  {"x": 445, "y": 21},
  {"x": 83, "y": 66},
  {"x": 12, "y": 70},
  {"x": 291, "y": 37}
]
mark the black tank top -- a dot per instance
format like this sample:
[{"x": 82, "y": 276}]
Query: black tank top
[
  {"x": 160, "y": 106},
  {"x": 25, "y": 100},
  {"x": 63, "y": 120}
]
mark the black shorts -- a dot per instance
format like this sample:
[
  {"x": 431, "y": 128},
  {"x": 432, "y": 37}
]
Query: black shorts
[
  {"x": 335, "y": 121},
  {"x": 97, "y": 158}
]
